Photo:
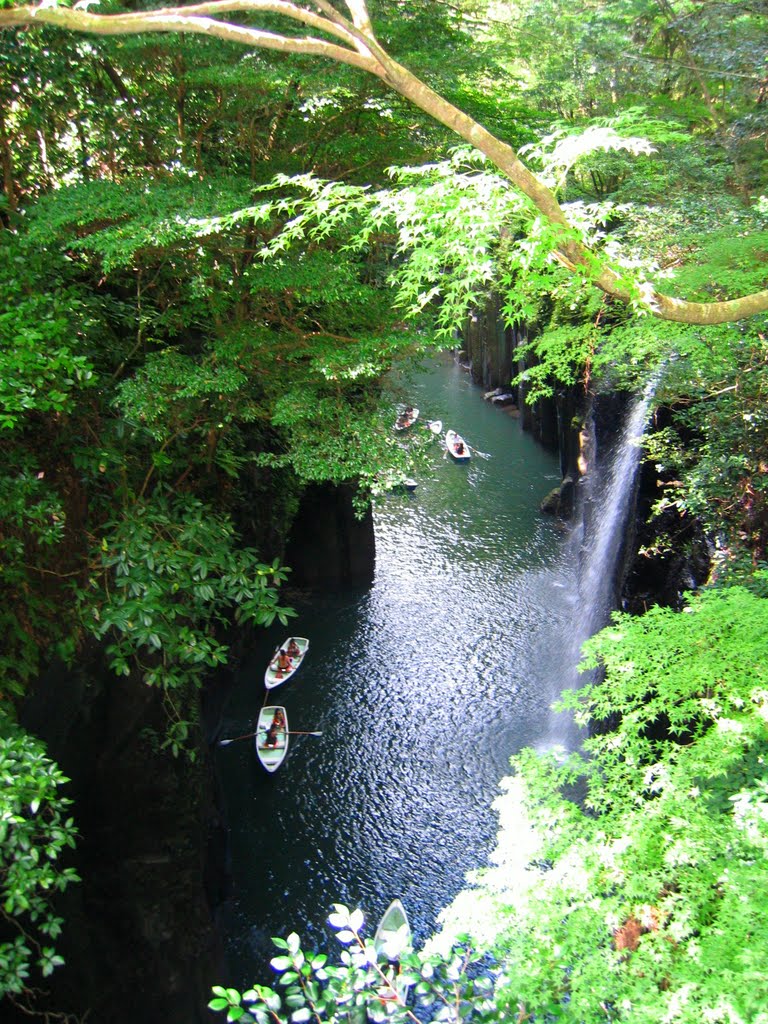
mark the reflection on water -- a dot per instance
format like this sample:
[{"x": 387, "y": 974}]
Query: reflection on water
[{"x": 423, "y": 686}]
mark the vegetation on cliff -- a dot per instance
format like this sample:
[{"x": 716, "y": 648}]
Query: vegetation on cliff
[
  {"x": 207, "y": 272},
  {"x": 627, "y": 879}
]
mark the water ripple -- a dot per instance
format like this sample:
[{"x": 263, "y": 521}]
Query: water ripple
[{"x": 423, "y": 686}]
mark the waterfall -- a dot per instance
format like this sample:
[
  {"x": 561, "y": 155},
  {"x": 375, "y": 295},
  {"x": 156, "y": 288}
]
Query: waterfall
[
  {"x": 598, "y": 540},
  {"x": 610, "y": 488}
]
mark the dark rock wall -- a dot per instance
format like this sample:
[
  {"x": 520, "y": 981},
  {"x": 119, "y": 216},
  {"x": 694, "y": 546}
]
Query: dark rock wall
[
  {"x": 489, "y": 347},
  {"x": 328, "y": 545},
  {"x": 489, "y": 350},
  {"x": 662, "y": 555},
  {"x": 139, "y": 939},
  {"x": 671, "y": 553}
]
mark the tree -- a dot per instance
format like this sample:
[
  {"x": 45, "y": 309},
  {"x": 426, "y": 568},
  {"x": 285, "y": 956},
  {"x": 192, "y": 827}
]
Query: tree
[
  {"x": 351, "y": 40},
  {"x": 638, "y": 892},
  {"x": 35, "y": 830}
]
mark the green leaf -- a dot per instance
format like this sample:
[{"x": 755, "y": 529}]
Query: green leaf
[{"x": 280, "y": 963}]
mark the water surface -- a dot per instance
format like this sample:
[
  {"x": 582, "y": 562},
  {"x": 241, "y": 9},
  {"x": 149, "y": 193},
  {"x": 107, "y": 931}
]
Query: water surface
[{"x": 423, "y": 686}]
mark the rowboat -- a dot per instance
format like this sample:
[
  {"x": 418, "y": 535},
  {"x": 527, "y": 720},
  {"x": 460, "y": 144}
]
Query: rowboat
[
  {"x": 393, "y": 936},
  {"x": 271, "y": 756},
  {"x": 392, "y": 939},
  {"x": 406, "y": 418},
  {"x": 274, "y": 676},
  {"x": 456, "y": 446},
  {"x": 396, "y": 481}
]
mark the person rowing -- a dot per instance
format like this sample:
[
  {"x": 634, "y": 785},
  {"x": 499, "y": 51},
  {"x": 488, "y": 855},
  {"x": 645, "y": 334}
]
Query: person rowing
[
  {"x": 406, "y": 418},
  {"x": 278, "y": 719},
  {"x": 270, "y": 738},
  {"x": 276, "y": 726}
]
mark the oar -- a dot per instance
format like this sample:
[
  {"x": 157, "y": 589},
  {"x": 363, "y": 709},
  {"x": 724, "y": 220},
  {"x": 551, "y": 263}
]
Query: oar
[
  {"x": 483, "y": 455},
  {"x": 250, "y": 735}
]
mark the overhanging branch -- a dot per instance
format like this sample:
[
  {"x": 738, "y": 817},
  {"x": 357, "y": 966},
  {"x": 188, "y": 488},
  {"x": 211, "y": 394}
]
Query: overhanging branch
[{"x": 362, "y": 50}]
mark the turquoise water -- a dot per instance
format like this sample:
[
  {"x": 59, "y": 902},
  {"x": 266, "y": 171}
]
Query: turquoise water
[{"x": 423, "y": 685}]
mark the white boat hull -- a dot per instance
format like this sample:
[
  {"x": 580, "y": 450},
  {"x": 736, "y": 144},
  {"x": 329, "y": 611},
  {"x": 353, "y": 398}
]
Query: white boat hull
[
  {"x": 271, "y": 756},
  {"x": 393, "y": 935},
  {"x": 273, "y": 676},
  {"x": 452, "y": 440}
]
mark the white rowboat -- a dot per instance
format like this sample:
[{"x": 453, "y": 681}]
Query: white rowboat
[
  {"x": 456, "y": 446},
  {"x": 274, "y": 676},
  {"x": 393, "y": 936},
  {"x": 406, "y": 419},
  {"x": 271, "y": 748},
  {"x": 392, "y": 939}
]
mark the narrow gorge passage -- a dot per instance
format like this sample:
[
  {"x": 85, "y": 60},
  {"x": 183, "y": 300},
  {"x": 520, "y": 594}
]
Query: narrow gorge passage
[{"x": 423, "y": 686}]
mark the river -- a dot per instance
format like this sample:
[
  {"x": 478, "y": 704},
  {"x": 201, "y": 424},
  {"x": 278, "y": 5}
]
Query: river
[{"x": 423, "y": 685}]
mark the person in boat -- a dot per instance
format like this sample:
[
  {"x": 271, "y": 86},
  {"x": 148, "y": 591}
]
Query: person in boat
[
  {"x": 292, "y": 650},
  {"x": 405, "y": 419},
  {"x": 270, "y": 738},
  {"x": 278, "y": 719},
  {"x": 283, "y": 662},
  {"x": 458, "y": 447}
]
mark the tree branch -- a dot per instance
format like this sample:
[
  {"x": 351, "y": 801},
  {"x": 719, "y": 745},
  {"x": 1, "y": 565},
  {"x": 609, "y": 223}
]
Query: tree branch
[
  {"x": 360, "y": 18},
  {"x": 337, "y": 26},
  {"x": 363, "y": 51},
  {"x": 177, "y": 19}
]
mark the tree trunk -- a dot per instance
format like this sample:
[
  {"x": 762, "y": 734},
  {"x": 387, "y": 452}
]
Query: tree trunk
[{"x": 6, "y": 156}]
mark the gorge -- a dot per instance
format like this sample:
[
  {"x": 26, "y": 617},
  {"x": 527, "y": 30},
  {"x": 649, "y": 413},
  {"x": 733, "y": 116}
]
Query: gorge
[{"x": 235, "y": 239}]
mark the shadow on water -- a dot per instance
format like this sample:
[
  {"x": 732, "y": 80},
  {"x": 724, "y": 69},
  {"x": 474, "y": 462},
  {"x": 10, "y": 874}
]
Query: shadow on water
[{"x": 423, "y": 686}]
